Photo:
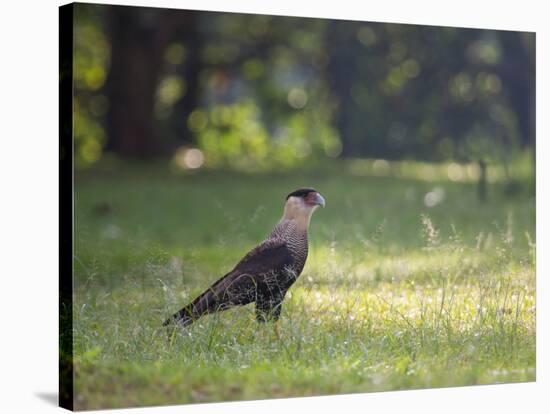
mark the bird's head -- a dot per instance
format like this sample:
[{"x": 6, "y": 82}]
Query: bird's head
[{"x": 301, "y": 204}]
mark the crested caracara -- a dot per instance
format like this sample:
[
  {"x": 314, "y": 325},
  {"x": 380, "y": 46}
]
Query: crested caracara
[{"x": 266, "y": 273}]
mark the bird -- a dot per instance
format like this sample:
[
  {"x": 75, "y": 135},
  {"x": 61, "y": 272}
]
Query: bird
[{"x": 266, "y": 272}]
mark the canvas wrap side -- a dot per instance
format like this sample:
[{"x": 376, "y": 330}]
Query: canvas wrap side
[{"x": 66, "y": 49}]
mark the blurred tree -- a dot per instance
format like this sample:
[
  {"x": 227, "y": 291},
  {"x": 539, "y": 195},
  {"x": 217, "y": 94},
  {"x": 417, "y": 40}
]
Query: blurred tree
[
  {"x": 343, "y": 71},
  {"x": 138, "y": 38},
  {"x": 264, "y": 91},
  {"x": 91, "y": 59},
  {"x": 191, "y": 43}
]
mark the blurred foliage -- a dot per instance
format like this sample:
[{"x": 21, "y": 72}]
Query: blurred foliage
[
  {"x": 91, "y": 60},
  {"x": 235, "y": 135},
  {"x": 259, "y": 92}
]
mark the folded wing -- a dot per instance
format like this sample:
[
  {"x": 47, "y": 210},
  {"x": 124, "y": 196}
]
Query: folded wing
[{"x": 250, "y": 278}]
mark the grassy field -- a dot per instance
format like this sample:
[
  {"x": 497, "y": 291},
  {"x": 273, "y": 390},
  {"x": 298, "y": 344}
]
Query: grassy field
[{"x": 395, "y": 294}]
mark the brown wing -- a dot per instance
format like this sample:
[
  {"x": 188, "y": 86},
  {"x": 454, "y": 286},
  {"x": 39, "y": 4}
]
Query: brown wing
[
  {"x": 238, "y": 287},
  {"x": 271, "y": 255}
]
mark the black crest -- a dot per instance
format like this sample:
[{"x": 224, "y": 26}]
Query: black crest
[{"x": 301, "y": 192}]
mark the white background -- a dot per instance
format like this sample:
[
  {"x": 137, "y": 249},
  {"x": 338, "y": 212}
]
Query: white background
[{"x": 29, "y": 206}]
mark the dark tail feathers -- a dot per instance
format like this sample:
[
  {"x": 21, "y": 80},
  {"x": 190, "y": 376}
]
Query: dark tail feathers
[{"x": 183, "y": 318}]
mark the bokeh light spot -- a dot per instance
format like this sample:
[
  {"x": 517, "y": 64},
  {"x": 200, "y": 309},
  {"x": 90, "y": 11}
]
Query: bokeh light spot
[
  {"x": 381, "y": 167},
  {"x": 175, "y": 54},
  {"x": 367, "y": 36},
  {"x": 189, "y": 158},
  {"x": 197, "y": 120},
  {"x": 434, "y": 197},
  {"x": 411, "y": 68},
  {"x": 455, "y": 172},
  {"x": 170, "y": 89},
  {"x": 297, "y": 98},
  {"x": 94, "y": 77}
]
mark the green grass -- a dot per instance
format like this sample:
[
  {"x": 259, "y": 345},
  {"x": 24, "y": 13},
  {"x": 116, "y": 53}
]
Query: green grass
[{"x": 395, "y": 295}]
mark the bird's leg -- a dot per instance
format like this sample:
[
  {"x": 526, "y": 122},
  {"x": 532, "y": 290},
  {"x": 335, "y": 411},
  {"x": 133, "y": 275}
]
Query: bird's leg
[{"x": 270, "y": 311}]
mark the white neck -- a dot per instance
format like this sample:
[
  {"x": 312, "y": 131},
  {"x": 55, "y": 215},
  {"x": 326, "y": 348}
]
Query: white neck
[{"x": 298, "y": 212}]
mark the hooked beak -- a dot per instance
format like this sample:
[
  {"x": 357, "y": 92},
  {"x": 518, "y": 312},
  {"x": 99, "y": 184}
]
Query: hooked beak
[{"x": 318, "y": 200}]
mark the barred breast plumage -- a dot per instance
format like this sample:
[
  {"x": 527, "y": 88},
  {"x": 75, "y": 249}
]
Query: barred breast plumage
[{"x": 287, "y": 232}]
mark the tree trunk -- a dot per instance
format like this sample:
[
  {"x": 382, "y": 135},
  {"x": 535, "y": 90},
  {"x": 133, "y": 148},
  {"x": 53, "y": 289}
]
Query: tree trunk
[
  {"x": 482, "y": 183},
  {"x": 138, "y": 37},
  {"x": 517, "y": 71},
  {"x": 191, "y": 38},
  {"x": 341, "y": 73}
]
